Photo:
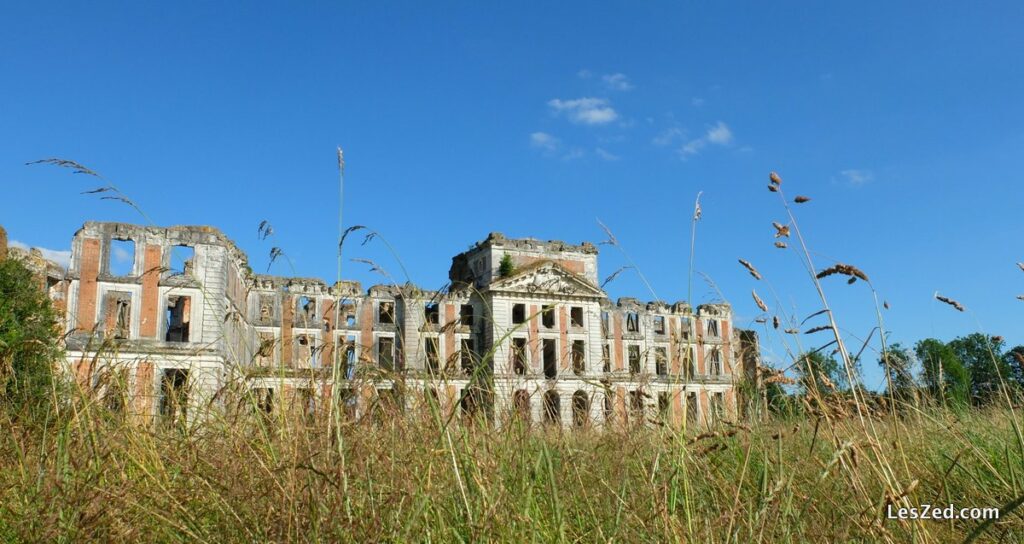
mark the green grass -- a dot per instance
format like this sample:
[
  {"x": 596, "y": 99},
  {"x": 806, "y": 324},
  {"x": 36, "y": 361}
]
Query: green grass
[{"x": 92, "y": 477}]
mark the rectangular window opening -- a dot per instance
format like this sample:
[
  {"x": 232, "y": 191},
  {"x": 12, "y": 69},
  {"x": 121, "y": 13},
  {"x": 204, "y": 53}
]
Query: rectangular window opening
[
  {"x": 466, "y": 315},
  {"x": 178, "y": 318},
  {"x": 634, "y": 359},
  {"x": 661, "y": 361},
  {"x": 518, "y": 314},
  {"x": 386, "y": 313},
  {"x": 122, "y": 257},
  {"x": 467, "y": 356},
  {"x": 579, "y": 356},
  {"x": 386, "y": 352},
  {"x": 519, "y": 356},
  {"x": 174, "y": 395},
  {"x": 550, "y": 356},
  {"x": 606, "y": 358},
  {"x": 181, "y": 259},
  {"x": 548, "y": 316},
  {"x": 432, "y": 313},
  {"x": 432, "y": 348},
  {"x": 576, "y": 316},
  {"x": 632, "y": 322},
  {"x": 659, "y": 324}
]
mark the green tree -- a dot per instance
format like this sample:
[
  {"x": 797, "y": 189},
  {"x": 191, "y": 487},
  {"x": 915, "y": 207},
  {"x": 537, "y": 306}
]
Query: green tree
[
  {"x": 982, "y": 355},
  {"x": 28, "y": 340},
  {"x": 506, "y": 267},
  {"x": 1014, "y": 359},
  {"x": 945, "y": 377},
  {"x": 896, "y": 361},
  {"x": 818, "y": 372}
]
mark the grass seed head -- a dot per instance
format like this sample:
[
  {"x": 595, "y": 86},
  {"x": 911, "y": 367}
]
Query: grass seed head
[
  {"x": 800, "y": 199},
  {"x": 750, "y": 268},
  {"x": 959, "y": 307}
]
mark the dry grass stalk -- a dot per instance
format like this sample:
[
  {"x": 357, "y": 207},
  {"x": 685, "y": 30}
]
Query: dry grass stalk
[
  {"x": 780, "y": 230},
  {"x": 950, "y": 301},
  {"x": 750, "y": 268},
  {"x": 844, "y": 269},
  {"x": 757, "y": 300}
]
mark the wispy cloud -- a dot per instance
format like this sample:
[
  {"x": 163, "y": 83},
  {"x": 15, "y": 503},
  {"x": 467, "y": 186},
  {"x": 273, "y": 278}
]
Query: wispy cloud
[
  {"x": 545, "y": 141},
  {"x": 584, "y": 74},
  {"x": 617, "y": 82},
  {"x": 696, "y": 101},
  {"x": 61, "y": 257},
  {"x": 585, "y": 111},
  {"x": 857, "y": 177},
  {"x": 718, "y": 134},
  {"x": 606, "y": 155},
  {"x": 668, "y": 136}
]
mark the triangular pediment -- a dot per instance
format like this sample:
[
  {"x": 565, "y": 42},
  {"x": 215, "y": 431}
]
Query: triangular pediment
[{"x": 547, "y": 277}]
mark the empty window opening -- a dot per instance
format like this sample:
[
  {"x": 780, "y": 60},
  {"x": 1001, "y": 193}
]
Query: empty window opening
[
  {"x": 605, "y": 328},
  {"x": 548, "y": 316},
  {"x": 266, "y": 308},
  {"x": 636, "y": 406},
  {"x": 121, "y": 318},
  {"x": 576, "y": 316},
  {"x": 349, "y": 312},
  {"x": 466, "y": 315},
  {"x": 304, "y": 348},
  {"x": 716, "y": 362},
  {"x": 386, "y": 352},
  {"x": 122, "y": 258},
  {"x": 471, "y": 404},
  {"x": 691, "y": 408},
  {"x": 659, "y": 324},
  {"x": 580, "y": 409},
  {"x": 606, "y": 358},
  {"x": 579, "y": 356},
  {"x": 265, "y": 353},
  {"x": 552, "y": 408},
  {"x": 718, "y": 406},
  {"x": 685, "y": 328},
  {"x": 634, "y": 359},
  {"x": 182, "y": 259},
  {"x": 550, "y": 356},
  {"x": 174, "y": 395},
  {"x": 386, "y": 313},
  {"x": 264, "y": 397},
  {"x": 713, "y": 328},
  {"x": 432, "y": 313},
  {"x": 466, "y": 356},
  {"x": 661, "y": 361},
  {"x": 179, "y": 316},
  {"x": 518, "y": 314},
  {"x": 663, "y": 406},
  {"x": 304, "y": 403},
  {"x": 632, "y": 322},
  {"x": 432, "y": 348},
  {"x": 609, "y": 406},
  {"x": 115, "y": 389},
  {"x": 305, "y": 311},
  {"x": 350, "y": 357},
  {"x": 521, "y": 406},
  {"x": 519, "y": 356}
]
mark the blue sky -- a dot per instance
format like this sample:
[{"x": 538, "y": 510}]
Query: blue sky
[{"x": 902, "y": 122}]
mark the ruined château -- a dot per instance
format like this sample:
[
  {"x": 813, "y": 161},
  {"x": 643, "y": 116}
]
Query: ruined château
[{"x": 523, "y": 331}]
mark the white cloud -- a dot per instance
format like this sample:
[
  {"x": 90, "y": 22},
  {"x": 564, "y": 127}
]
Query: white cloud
[
  {"x": 606, "y": 155},
  {"x": 719, "y": 134},
  {"x": 573, "y": 154},
  {"x": 696, "y": 101},
  {"x": 545, "y": 141},
  {"x": 617, "y": 82},
  {"x": 667, "y": 136},
  {"x": 586, "y": 111},
  {"x": 121, "y": 255},
  {"x": 62, "y": 258},
  {"x": 584, "y": 74},
  {"x": 857, "y": 177}
]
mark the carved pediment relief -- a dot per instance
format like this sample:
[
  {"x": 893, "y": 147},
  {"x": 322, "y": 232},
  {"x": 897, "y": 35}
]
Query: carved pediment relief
[{"x": 547, "y": 278}]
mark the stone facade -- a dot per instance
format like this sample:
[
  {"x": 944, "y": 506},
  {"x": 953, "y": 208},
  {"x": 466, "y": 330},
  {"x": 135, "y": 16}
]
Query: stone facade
[{"x": 182, "y": 318}]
